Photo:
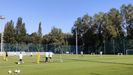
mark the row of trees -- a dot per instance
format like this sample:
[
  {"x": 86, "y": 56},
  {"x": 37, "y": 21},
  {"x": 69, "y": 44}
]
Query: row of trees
[
  {"x": 105, "y": 31},
  {"x": 19, "y": 34},
  {"x": 102, "y": 29}
]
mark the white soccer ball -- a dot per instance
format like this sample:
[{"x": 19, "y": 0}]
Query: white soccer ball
[
  {"x": 18, "y": 71},
  {"x": 9, "y": 71},
  {"x": 18, "y": 62}
]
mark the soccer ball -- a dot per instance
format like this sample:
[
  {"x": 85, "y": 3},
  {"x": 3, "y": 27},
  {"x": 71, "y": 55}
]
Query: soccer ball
[
  {"x": 18, "y": 62},
  {"x": 18, "y": 71},
  {"x": 9, "y": 71}
]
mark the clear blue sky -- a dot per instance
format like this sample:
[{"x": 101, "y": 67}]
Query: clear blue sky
[{"x": 58, "y": 13}]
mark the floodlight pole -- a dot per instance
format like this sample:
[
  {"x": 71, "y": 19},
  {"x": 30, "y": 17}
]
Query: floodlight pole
[
  {"x": 125, "y": 36},
  {"x": 1, "y": 18},
  {"x": 1, "y": 41},
  {"x": 76, "y": 41},
  {"x": 104, "y": 46},
  {"x": 124, "y": 41}
]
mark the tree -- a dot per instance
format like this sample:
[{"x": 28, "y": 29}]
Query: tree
[
  {"x": 77, "y": 26},
  {"x": 81, "y": 26},
  {"x": 35, "y": 41},
  {"x": 40, "y": 30},
  {"x": 35, "y": 38},
  {"x": 20, "y": 31},
  {"x": 39, "y": 34},
  {"x": 127, "y": 14},
  {"x": 115, "y": 18},
  {"x": 56, "y": 39},
  {"x": 9, "y": 36},
  {"x": 56, "y": 36},
  {"x": 45, "y": 39}
]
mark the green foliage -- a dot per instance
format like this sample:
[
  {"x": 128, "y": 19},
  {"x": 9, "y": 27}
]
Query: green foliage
[
  {"x": 56, "y": 36},
  {"x": 104, "y": 27},
  {"x": 95, "y": 33},
  {"x": 40, "y": 30},
  {"x": 9, "y": 32},
  {"x": 20, "y": 31}
]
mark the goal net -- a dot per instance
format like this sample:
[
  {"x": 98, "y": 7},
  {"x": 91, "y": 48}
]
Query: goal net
[{"x": 129, "y": 52}]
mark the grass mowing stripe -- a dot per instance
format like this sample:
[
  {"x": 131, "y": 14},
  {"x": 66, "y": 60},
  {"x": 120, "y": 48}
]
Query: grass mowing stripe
[
  {"x": 73, "y": 65},
  {"x": 100, "y": 61}
]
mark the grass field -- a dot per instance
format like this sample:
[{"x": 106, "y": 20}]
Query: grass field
[{"x": 71, "y": 65}]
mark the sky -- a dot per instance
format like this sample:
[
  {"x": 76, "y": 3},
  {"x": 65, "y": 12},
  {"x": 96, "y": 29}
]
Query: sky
[{"x": 53, "y": 13}]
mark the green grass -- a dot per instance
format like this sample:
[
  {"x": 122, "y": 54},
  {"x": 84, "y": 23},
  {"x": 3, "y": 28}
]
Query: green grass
[{"x": 71, "y": 65}]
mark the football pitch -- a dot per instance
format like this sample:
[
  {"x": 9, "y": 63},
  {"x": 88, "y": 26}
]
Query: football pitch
[{"x": 70, "y": 65}]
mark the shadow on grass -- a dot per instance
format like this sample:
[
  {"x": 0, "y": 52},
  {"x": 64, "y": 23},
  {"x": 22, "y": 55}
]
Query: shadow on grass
[
  {"x": 100, "y": 61},
  {"x": 94, "y": 74},
  {"x": 47, "y": 62}
]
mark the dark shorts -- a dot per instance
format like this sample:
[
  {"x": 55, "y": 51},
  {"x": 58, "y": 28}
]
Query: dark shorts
[
  {"x": 46, "y": 59},
  {"x": 20, "y": 59}
]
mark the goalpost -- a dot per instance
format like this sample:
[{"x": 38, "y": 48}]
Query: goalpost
[{"x": 129, "y": 52}]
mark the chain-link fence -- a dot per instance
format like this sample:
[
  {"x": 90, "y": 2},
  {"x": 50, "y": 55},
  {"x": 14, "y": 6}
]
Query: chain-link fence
[
  {"x": 108, "y": 47},
  {"x": 40, "y": 47}
]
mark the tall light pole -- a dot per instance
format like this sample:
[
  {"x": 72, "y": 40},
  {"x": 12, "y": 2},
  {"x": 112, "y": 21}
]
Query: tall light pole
[
  {"x": 124, "y": 28},
  {"x": 82, "y": 35},
  {"x": 76, "y": 41},
  {"x": 104, "y": 46},
  {"x": 1, "y": 17},
  {"x": 1, "y": 41}
]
